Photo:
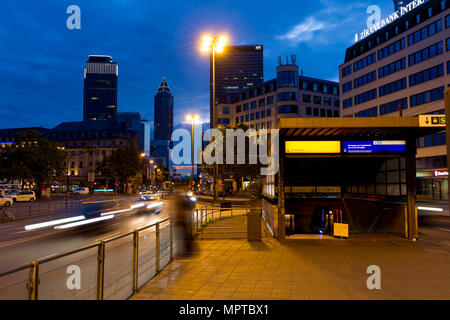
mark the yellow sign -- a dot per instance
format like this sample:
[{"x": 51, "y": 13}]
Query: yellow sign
[
  {"x": 313, "y": 147},
  {"x": 340, "y": 230},
  {"x": 432, "y": 121}
]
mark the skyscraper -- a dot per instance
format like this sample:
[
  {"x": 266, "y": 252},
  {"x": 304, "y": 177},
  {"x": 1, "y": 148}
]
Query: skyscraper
[
  {"x": 237, "y": 68},
  {"x": 163, "y": 112},
  {"x": 134, "y": 121},
  {"x": 100, "y": 88},
  {"x": 163, "y": 123}
]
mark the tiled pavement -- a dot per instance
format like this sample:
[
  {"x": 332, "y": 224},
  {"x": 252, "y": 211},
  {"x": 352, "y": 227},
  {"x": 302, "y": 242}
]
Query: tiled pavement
[{"x": 305, "y": 269}]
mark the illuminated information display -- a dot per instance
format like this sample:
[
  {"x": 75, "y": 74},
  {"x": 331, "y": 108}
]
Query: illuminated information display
[
  {"x": 374, "y": 146},
  {"x": 313, "y": 147}
]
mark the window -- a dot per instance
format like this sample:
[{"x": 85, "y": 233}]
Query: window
[
  {"x": 365, "y": 62},
  {"x": 287, "y": 79},
  {"x": 447, "y": 21},
  {"x": 346, "y": 71},
  {"x": 372, "y": 112},
  {"x": 237, "y": 120},
  {"x": 269, "y": 112},
  {"x": 347, "y": 86},
  {"x": 392, "y": 68},
  {"x": 327, "y": 101},
  {"x": 246, "y": 106},
  {"x": 262, "y": 102},
  {"x": 263, "y": 114},
  {"x": 391, "y": 49},
  {"x": 365, "y": 79},
  {"x": 252, "y": 116},
  {"x": 316, "y": 112},
  {"x": 247, "y": 118},
  {"x": 448, "y": 44},
  {"x": 427, "y": 96},
  {"x": 269, "y": 100},
  {"x": 425, "y": 32},
  {"x": 242, "y": 119},
  {"x": 253, "y": 104},
  {"x": 348, "y": 103},
  {"x": 257, "y": 115},
  {"x": 322, "y": 113},
  {"x": 287, "y": 109},
  {"x": 238, "y": 109},
  {"x": 336, "y": 103},
  {"x": 307, "y": 98},
  {"x": 287, "y": 96},
  {"x": 308, "y": 111},
  {"x": 426, "y": 53},
  {"x": 366, "y": 96},
  {"x": 392, "y": 87},
  {"x": 226, "y": 110},
  {"x": 426, "y": 75},
  {"x": 335, "y": 91},
  {"x": 317, "y": 100},
  {"x": 393, "y": 106}
]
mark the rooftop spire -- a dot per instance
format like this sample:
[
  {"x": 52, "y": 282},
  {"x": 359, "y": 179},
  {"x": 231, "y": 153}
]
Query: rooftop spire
[{"x": 163, "y": 87}]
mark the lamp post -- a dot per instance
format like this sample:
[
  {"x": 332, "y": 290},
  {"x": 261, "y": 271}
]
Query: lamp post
[
  {"x": 213, "y": 45},
  {"x": 192, "y": 120}
]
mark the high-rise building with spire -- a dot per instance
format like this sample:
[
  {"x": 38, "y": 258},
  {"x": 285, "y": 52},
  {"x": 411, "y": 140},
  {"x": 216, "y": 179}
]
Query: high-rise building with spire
[{"x": 163, "y": 122}]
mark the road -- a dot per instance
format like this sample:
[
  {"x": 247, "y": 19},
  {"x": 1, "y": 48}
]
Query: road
[{"x": 21, "y": 246}]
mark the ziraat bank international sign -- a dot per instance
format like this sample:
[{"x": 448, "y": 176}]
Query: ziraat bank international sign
[{"x": 391, "y": 18}]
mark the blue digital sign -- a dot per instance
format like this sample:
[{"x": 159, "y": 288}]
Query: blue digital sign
[{"x": 374, "y": 146}]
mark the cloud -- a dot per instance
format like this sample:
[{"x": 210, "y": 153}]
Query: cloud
[
  {"x": 332, "y": 24},
  {"x": 304, "y": 31}
]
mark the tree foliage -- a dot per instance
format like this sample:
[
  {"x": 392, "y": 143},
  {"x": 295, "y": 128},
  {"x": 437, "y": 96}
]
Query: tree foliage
[{"x": 32, "y": 158}]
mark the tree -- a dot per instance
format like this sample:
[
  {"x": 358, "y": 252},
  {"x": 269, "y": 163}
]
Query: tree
[
  {"x": 123, "y": 164},
  {"x": 32, "y": 158}
]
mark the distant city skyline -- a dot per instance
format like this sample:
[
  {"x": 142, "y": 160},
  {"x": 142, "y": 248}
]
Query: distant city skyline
[{"x": 42, "y": 70}]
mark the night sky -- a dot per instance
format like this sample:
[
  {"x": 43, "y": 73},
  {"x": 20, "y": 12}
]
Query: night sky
[{"x": 41, "y": 61}]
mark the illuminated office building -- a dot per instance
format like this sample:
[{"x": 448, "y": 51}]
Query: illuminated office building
[{"x": 403, "y": 70}]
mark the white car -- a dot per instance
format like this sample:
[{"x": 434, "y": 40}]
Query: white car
[
  {"x": 5, "y": 202},
  {"x": 24, "y": 195},
  {"x": 82, "y": 191}
]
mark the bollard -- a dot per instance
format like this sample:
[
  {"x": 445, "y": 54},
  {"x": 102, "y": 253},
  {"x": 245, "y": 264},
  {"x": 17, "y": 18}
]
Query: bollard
[
  {"x": 100, "y": 270},
  {"x": 33, "y": 284},
  {"x": 136, "y": 260}
]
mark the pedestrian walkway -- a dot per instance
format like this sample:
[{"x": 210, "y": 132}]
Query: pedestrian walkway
[{"x": 305, "y": 269}]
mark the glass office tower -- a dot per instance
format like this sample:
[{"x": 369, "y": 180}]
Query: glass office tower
[
  {"x": 237, "y": 68},
  {"x": 100, "y": 88}
]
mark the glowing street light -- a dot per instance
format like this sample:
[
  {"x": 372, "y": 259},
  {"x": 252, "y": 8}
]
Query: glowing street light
[{"x": 214, "y": 44}]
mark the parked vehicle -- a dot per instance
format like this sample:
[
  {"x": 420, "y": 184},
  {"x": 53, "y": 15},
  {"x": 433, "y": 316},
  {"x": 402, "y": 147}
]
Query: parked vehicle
[
  {"x": 23, "y": 195},
  {"x": 82, "y": 191},
  {"x": 6, "y": 202}
]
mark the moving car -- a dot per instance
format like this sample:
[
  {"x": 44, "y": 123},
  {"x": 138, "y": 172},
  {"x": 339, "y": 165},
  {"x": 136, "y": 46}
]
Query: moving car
[
  {"x": 148, "y": 203},
  {"x": 81, "y": 191},
  {"x": 24, "y": 195},
  {"x": 5, "y": 201}
]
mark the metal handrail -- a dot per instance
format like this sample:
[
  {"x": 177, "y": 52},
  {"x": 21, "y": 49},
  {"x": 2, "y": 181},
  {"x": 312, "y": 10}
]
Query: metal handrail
[{"x": 33, "y": 266}]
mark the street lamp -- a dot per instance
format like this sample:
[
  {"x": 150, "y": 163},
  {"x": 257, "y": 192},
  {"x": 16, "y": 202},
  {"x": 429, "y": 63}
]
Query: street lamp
[
  {"x": 213, "y": 45},
  {"x": 192, "y": 120}
]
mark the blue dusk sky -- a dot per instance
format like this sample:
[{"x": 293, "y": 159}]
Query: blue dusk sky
[{"x": 42, "y": 61}]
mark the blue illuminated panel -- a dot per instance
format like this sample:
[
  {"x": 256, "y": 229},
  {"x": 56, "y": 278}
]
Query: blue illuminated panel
[{"x": 374, "y": 146}]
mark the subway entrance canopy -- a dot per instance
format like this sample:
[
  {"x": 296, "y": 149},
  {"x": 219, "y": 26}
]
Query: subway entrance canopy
[{"x": 360, "y": 171}]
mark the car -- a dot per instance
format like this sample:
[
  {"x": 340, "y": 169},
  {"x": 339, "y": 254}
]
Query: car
[
  {"x": 23, "y": 195},
  {"x": 82, "y": 191},
  {"x": 148, "y": 203},
  {"x": 6, "y": 202}
]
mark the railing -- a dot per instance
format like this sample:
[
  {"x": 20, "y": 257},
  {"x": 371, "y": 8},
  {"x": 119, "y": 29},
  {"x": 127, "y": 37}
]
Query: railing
[
  {"x": 111, "y": 269},
  {"x": 20, "y": 211},
  {"x": 209, "y": 213}
]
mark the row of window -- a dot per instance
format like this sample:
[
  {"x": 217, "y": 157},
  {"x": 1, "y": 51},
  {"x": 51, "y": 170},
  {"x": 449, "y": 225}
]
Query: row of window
[
  {"x": 287, "y": 96},
  {"x": 391, "y": 49},
  {"x": 364, "y": 62},
  {"x": 372, "y": 112},
  {"x": 392, "y": 68},
  {"x": 323, "y": 112},
  {"x": 393, "y": 87},
  {"x": 426, "y": 75},
  {"x": 426, "y": 53},
  {"x": 427, "y": 96},
  {"x": 318, "y": 100},
  {"x": 319, "y": 87},
  {"x": 346, "y": 71},
  {"x": 348, "y": 103},
  {"x": 254, "y": 116},
  {"x": 437, "y": 139},
  {"x": 347, "y": 86},
  {"x": 287, "y": 109},
  {"x": 393, "y": 106},
  {"x": 365, "y": 79},
  {"x": 366, "y": 96},
  {"x": 261, "y": 103},
  {"x": 425, "y": 32}
]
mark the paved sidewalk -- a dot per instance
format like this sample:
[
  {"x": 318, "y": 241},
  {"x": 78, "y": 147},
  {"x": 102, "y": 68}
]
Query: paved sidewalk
[{"x": 305, "y": 269}]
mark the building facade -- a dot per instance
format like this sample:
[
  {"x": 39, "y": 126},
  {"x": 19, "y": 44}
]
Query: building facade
[
  {"x": 237, "y": 68},
  {"x": 100, "y": 88},
  {"x": 287, "y": 96},
  {"x": 134, "y": 121},
  {"x": 402, "y": 70}
]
